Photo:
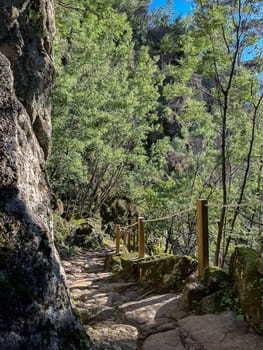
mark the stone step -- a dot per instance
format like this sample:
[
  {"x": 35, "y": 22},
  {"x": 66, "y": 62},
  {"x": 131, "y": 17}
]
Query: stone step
[
  {"x": 114, "y": 336},
  {"x": 126, "y": 316},
  {"x": 79, "y": 284}
]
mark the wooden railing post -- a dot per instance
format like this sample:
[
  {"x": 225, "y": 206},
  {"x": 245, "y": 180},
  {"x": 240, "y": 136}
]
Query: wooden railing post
[
  {"x": 118, "y": 235},
  {"x": 134, "y": 240},
  {"x": 125, "y": 238},
  {"x": 129, "y": 241},
  {"x": 141, "y": 236},
  {"x": 202, "y": 236}
]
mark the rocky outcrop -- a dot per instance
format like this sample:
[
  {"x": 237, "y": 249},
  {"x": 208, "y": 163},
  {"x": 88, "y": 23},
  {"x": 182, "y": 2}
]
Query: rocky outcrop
[
  {"x": 27, "y": 29},
  {"x": 86, "y": 235},
  {"x": 164, "y": 272},
  {"x": 260, "y": 257},
  {"x": 249, "y": 283},
  {"x": 35, "y": 309}
]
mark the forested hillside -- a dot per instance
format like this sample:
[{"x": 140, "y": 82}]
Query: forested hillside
[
  {"x": 152, "y": 112},
  {"x": 157, "y": 143}
]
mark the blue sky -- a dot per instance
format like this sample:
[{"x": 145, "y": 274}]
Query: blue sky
[{"x": 181, "y": 7}]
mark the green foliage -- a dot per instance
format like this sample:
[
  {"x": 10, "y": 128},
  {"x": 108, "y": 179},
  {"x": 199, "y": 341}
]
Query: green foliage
[
  {"x": 221, "y": 114},
  {"x": 73, "y": 250},
  {"x": 61, "y": 234},
  {"x": 103, "y": 106},
  {"x": 71, "y": 236},
  {"x": 230, "y": 302},
  {"x": 161, "y": 113}
]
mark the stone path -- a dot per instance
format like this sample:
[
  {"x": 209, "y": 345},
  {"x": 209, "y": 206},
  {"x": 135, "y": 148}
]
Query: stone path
[{"x": 125, "y": 316}]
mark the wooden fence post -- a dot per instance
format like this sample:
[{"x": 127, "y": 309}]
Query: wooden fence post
[
  {"x": 141, "y": 236},
  {"x": 118, "y": 234},
  {"x": 125, "y": 238},
  {"x": 129, "y": 241},
  {"x": 202, "y": 236}
]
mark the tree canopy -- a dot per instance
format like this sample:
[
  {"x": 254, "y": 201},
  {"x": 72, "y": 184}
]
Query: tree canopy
[{"x": 161, "y": 111}]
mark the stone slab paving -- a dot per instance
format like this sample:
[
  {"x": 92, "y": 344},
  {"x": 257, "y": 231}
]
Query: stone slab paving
[
  {"x": 150, "y": 309},
  {"x": 221, "y": 332},
  {"x": 170, "y": 340},
  {"x": 114, "y": 336},
  {"x": 125, "y": 316}
]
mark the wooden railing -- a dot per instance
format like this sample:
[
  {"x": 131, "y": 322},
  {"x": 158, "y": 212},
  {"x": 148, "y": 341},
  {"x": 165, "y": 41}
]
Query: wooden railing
[
  {"x": 201, "y": 209},
  {"x": 202, "y": 222}
]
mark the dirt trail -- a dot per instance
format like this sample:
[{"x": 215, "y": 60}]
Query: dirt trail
[{"x": 125, "y": 316}]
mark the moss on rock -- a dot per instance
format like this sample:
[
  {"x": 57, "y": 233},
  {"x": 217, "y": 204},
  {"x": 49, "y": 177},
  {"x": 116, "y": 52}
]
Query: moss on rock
[
  {"x": 165, "y": 272},
  {"x": 215, "y": 278},
  {"x": 260, "y": 257},
  {"x": 248, "y": 282},
  {"x": 193, "y": 292}
]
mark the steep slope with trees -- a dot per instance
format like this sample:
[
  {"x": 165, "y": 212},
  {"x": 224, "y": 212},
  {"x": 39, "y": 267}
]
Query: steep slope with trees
[
  {"x": 160, "y": 112},
  {"x": 224, "y": 111},
  {"x": 104, "y": 106}
]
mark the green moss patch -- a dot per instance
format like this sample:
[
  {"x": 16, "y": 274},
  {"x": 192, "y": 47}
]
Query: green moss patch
[
  {"x": 165, "y": 272},
  {"x": 215, "y": 278},
  {"x": 248, "y": 282}
]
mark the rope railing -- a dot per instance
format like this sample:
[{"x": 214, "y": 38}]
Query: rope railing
[
  {"x": 247, "y": 236},
  {"x": 233, "y": 205},
  {"x": 129, "y": 226},
  {"x": 180, "y": 213},
  {"x": 254, "y": 221},
  {"x": 202, "y": 230},
  {"x": 125, "y": 228}
]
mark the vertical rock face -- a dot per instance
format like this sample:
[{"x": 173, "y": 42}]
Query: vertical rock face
[
  {"x": 35, "y": 310},
  {"x": 27, "y": 29},
  {"x": 260, "y": 257},
  {"x": 248, "y": 283}
]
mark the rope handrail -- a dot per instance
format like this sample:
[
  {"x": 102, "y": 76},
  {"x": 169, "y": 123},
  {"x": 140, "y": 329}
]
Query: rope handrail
[
  {"x": 161, "y": 218},
  {"x": 246, "y": 235},
  {"x": 233, "y": 205},
  {"x": 254, "y": 221},
  {"x": 129, "y": 226},
  {"x": 136, "y": 237},
  {"x": 219, "y": 206},
  {"x": 172, "y": 215}
]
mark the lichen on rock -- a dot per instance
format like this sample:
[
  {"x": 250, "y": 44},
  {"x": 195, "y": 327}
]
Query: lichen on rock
[
  {"x": 248, "y": 282},
  {"x": 27, "y": 30},
  {"x": 260, "y": 257},
  {"x": 215, "y": 277},
  {"x": 164, "y": 272},
  {"x": 35, "y": 308}
]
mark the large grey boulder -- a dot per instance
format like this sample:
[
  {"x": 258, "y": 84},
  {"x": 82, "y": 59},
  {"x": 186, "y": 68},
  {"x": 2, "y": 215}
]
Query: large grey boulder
[
  {"x": 35, "y": 308},
  {"x": 170, "y": 340},
  {"x": 220, "y": 332}
]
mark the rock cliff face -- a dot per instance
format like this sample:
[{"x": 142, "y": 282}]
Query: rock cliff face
[
  {"x": 27, "y": 29},
  {"x": 35, "y": 309},
  {"x": 260, "y": 257},
  {"x": 248, "y": 283}
]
